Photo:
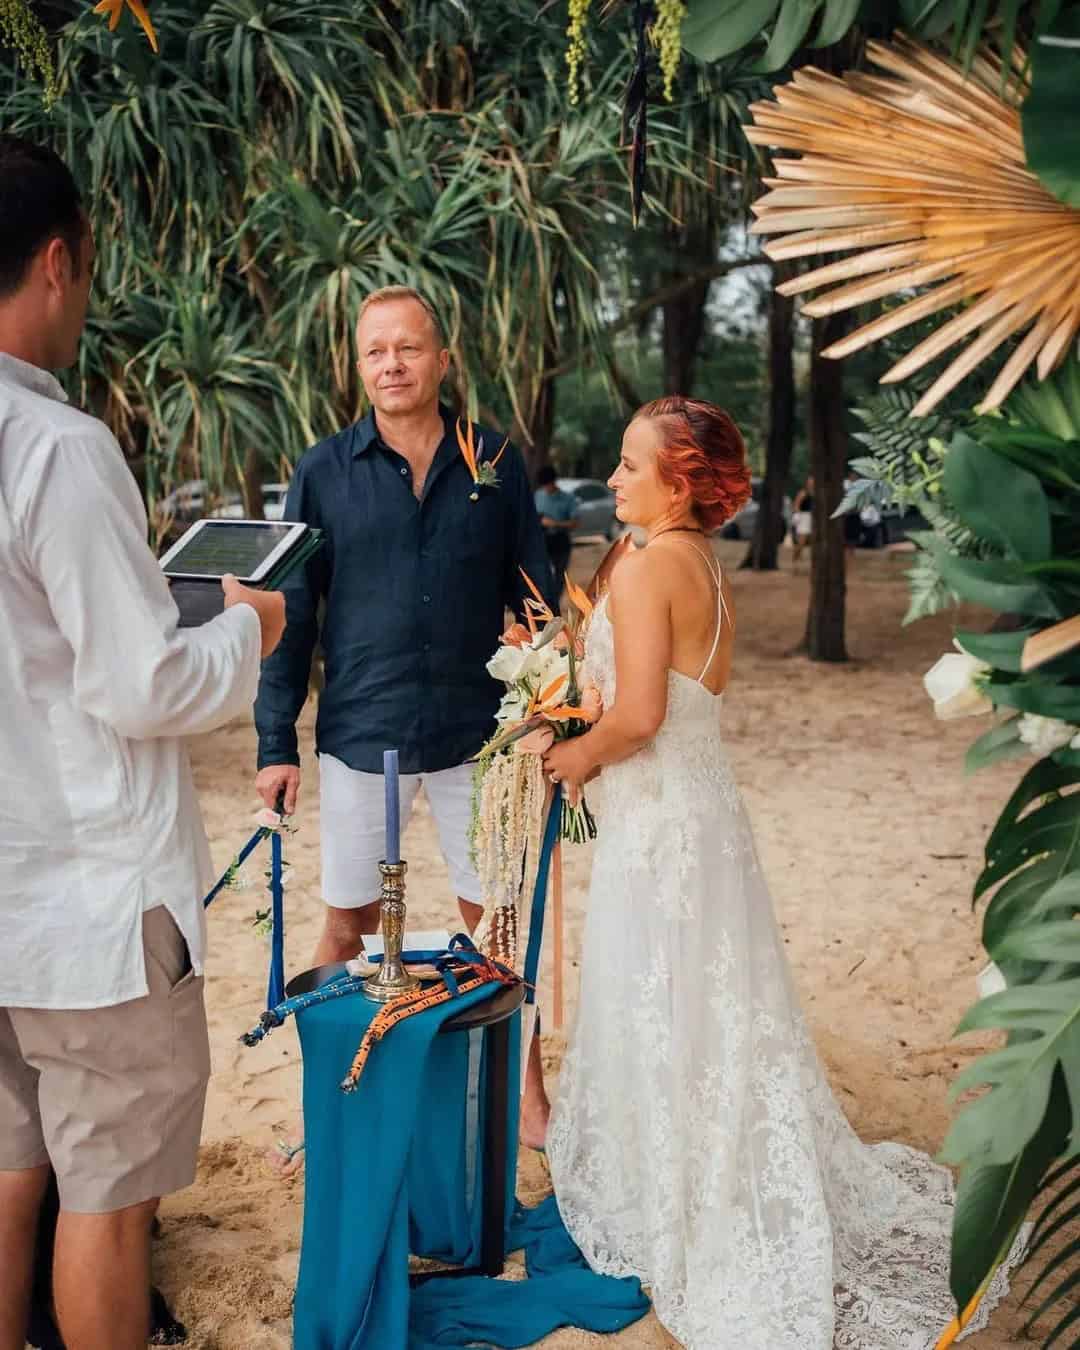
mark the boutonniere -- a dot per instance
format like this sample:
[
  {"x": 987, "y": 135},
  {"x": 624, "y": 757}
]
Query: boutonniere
[{"x": 482, "y": 471}]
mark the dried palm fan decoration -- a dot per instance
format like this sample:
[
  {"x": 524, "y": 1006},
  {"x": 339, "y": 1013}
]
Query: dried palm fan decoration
[{"x": 922, "y": 171}]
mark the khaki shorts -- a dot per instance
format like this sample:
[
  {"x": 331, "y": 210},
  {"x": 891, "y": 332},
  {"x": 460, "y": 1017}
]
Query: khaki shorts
[{"x": 111, "y": 1097}]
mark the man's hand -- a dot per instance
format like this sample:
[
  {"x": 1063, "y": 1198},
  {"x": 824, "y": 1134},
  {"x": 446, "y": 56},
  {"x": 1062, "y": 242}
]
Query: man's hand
[
  {"x": 270, "y": 781},
  {"x": 268, "y": 605}
]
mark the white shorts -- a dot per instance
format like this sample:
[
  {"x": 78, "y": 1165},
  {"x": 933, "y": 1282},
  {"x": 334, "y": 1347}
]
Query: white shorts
[{"x": 352, "y": 822}]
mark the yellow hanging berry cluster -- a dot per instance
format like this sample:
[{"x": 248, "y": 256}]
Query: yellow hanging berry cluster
[
  {"x": 23, "y": 31},
  {"x": 667, "y": 34},
  {"x": 577, "y": 46}
]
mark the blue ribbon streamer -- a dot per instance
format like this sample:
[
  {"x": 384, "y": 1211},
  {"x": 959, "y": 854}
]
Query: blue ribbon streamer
[
  {"x": 539, "y": 900},
  {"x": 275, "y": 989},
  {"x": 241, "y": 858}
]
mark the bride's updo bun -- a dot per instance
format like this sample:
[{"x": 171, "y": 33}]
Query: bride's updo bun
[{"x": 703, "y": 452}]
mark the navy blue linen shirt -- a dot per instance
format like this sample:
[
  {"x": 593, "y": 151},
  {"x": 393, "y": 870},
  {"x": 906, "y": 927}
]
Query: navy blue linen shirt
[{"x": 415, "y": 594}]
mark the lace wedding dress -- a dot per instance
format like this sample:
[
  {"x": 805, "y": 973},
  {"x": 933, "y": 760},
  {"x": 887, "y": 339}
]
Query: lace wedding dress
[{"x": 695, "y": 1142}]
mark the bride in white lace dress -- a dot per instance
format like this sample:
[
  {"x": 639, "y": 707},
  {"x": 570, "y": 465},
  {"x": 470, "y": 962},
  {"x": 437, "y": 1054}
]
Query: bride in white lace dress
[{"x": 695, "y": 1142}]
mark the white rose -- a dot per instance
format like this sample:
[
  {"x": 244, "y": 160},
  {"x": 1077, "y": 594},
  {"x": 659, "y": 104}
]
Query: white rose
[
  {"x": 951, "y": 683},
  {"x": 508, "y": 663},
  {"x": 1044, "y": 735}
]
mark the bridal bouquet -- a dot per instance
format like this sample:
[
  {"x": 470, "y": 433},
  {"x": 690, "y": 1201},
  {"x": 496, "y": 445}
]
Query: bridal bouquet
[{"x": 539, "y": 662}]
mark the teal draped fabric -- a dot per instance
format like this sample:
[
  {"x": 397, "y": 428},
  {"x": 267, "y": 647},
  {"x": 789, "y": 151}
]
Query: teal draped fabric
[
  {"x": 396, "y": 1167},
  {"x": 561, "y": 1291}
]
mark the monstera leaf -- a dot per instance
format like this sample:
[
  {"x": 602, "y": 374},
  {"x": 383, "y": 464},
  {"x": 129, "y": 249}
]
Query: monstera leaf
[
  {"x": 993, "y": 1202},
  {"x": 1051, "y": 127}
]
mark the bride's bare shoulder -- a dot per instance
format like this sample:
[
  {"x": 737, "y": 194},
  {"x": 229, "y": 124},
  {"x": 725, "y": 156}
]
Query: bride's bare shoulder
[{"x": 638, "y": 574}]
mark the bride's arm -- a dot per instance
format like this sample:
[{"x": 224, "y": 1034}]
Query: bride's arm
[{"x": 639, "y": 609}]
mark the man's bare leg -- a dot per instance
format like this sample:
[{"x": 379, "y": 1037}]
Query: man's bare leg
[
  {"x": 21, "y": 1194},
  {"x": 343, "y": 932},
  {"x": 535, "y": 1107},
  {"x": 101, "y": 1278}
]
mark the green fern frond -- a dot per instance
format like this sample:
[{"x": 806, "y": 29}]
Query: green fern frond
[
  {"x": 903, "y": 448},
  {"x": 929, "y": 593}
]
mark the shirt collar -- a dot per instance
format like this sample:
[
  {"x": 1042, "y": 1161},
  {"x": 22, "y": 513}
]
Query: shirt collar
[
  {"x": 366, "y": 433},
  {"x": 26, "y": 376}
]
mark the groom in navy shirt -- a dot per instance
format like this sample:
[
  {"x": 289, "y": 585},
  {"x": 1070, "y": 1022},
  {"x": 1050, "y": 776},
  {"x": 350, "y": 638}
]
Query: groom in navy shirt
[{"x": 418, "y": 567}]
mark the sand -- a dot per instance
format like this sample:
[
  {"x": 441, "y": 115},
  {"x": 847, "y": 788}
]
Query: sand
[{"x": 870, "y": 834}]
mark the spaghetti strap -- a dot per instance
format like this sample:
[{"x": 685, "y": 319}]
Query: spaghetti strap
[
  {"x": 721, "y": 608},
  {"x": 721, "y": 613}
]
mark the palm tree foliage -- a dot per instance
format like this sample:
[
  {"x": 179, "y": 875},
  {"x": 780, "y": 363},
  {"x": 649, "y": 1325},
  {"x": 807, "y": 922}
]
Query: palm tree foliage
[{"x": 274, "y": 163}]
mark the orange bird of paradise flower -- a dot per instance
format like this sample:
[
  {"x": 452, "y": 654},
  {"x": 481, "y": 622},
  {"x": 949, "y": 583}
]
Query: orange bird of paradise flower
[
  {"x": 480, "y": 470},
  {"x": 114, "y": 9}
]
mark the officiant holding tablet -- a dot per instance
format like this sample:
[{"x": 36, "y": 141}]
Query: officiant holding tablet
[
  {"x": 420, "y": 559},
  {"x": 104, "y": 1055}
]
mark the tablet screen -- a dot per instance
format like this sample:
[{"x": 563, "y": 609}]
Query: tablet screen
[{"x": 226, "y": 546}]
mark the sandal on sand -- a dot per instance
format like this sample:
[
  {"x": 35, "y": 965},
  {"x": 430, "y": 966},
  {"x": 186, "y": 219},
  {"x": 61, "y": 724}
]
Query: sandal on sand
[{"x": 286, "y": 1159}]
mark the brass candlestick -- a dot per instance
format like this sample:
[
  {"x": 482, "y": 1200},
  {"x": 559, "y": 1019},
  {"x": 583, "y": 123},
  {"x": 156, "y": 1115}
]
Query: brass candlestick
[{"x": 391, "y": 980}]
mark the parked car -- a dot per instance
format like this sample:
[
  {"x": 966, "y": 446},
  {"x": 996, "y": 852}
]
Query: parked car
[
  {"x": 273, "y": 503},
  {"x": 744, "y": 522},
  {"x": 185, "y": 503},
  {"x": 594, "y": 507},
  {"x": 274, "y": 495}
]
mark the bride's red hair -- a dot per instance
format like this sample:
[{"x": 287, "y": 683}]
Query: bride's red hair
[{"x": 702, "y": 452}]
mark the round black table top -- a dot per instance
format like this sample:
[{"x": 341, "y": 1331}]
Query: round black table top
[{"x": 486, "y": 1013}]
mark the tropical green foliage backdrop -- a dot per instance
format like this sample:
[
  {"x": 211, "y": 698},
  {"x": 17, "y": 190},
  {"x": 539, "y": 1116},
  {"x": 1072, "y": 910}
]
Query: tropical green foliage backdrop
[{"x": 275, "y": 162}]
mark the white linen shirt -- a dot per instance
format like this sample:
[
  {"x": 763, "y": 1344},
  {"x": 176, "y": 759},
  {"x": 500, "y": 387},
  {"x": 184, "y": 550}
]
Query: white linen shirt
[{"x": 98, "y": 815}]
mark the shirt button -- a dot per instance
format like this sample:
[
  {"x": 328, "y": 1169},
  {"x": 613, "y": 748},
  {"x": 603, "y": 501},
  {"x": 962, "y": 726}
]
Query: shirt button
[
  {"x": 404, "y": 473},
  {"x": 427, "y": 599}
]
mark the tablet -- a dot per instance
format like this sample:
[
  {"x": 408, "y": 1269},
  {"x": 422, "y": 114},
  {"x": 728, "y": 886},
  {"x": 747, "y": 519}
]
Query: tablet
[{"x": 249, "y": 549}]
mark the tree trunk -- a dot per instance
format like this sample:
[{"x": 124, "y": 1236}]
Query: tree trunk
[
  {"x": 684, "y": 323},
  {"x": 252, "y": 485},
  {"x": 684, "y": 313},
  {"x": 763, "y": 553},
  {"x": 824, "y": 639}
]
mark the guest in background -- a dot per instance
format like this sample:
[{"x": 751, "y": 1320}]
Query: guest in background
[
  {"x": 104, "y": 1054},
  {"x": 802, "y": 519},
  {"x": 853, "y": 523},
  {"x": 556, "y": 511}
]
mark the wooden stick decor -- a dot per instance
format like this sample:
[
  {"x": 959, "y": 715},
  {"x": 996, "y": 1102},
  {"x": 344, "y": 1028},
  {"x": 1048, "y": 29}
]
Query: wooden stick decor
[
  {"x": 1050, "y": 643},
  {"x": 919, "y": 174}
]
